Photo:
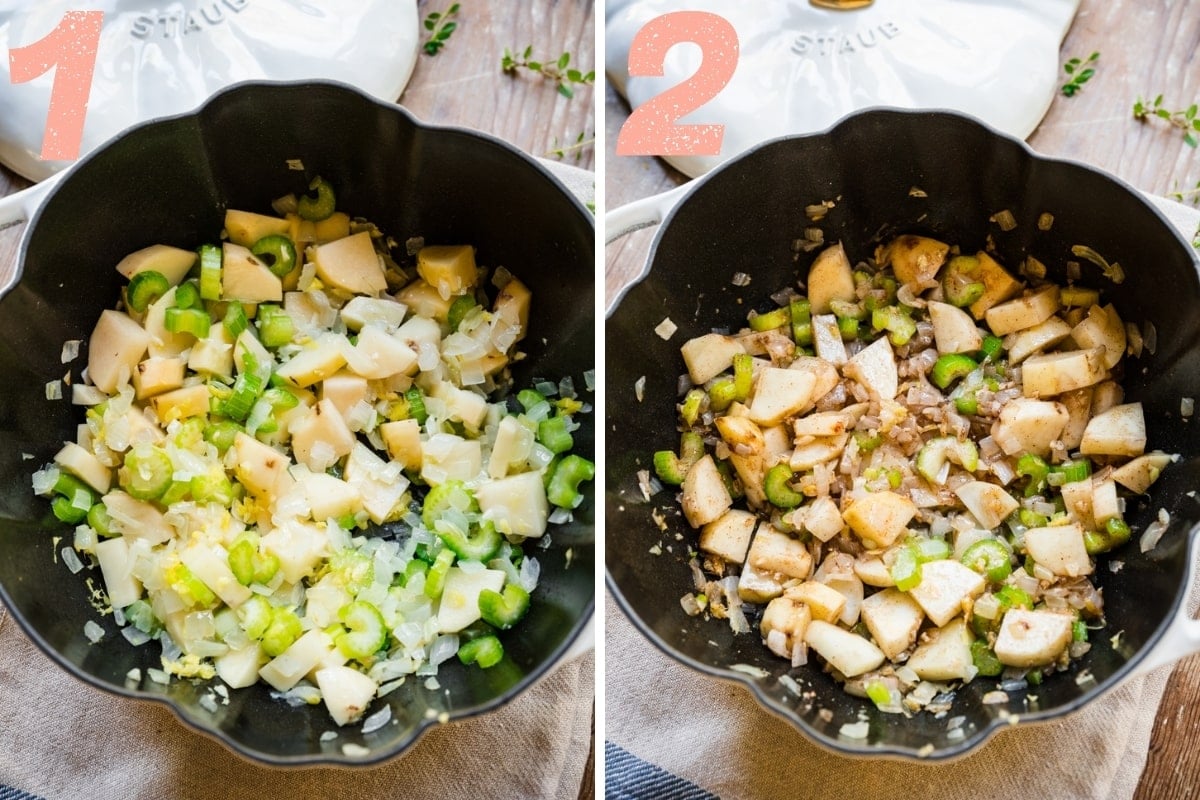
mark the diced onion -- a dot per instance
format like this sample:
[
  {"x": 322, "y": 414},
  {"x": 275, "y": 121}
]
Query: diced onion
[
  {"x": 92, "y": 631},
  {"x": 377, "y": 720}
]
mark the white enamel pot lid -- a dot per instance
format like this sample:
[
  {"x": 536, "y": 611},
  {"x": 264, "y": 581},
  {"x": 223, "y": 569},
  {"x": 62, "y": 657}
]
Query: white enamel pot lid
[
  {"x": 802, "y": 67},
  {"x": 160, "y": 59}
]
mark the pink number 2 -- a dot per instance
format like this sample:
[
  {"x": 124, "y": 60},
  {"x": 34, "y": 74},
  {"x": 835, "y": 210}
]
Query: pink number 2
[
  {"x": 651, "y": 129},
  {"x": 69, "y": 49}
]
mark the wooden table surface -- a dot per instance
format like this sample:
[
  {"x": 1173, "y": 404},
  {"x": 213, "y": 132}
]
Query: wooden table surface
[
  {"x": 1146, "y": 47},
  {"x": 464, "y": 85}
]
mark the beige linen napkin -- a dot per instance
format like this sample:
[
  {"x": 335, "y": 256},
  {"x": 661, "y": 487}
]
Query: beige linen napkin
[
  {"x": 712, "y": 732},
  {"x": 62, "y": 739}
]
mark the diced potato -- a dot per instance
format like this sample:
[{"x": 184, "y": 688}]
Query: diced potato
[
  {"x": 286, "y": 669},
  {"x": 1029, "y": 426},
  {"x": 346, "y": 692},
  {"x": 1054, "y": 373},
  {"x": 829, "y": 423},
  {"x": 848, "y": 653},
  {"x": 1102, "y": 328},
  {"x": 246, "y": 228},
  {"x": 210, "y": 564},
  {"x": 162, "y": 341},
  {"x": 378, "y": 354},
  {"x": 249, "y": 351},
  {"x": 893, "y": 618},
  {"x": 84, "y": 465},
  {"x": 998, "y": 285},
  {"x": 116, "y": 346},
  {"x": 172, "y": 263},
  {"x": 213, "y": 355},
  {"x": 709, "y": 355},
  {"x": 1060, "y": 549},
  {"x": 303, "y": 232},
  {"x": 848, "y": 586},
  {"x": 321, "y": 438},
  {"x": 915, "y": 259},
  {"x": 827, "y": 339},
  {"x": 1078, "y": 404},
  {"x": 728, "y": 536},
  {"x": 446, "y": 457},
  {"x": 825, "y": 603},
  {"x": 775, "y": 551},
  {"x": 1119, "y": 431},
  {"x": 953, "y": 329},
  {"x": 830, "y": 278},
  {"x": 816, "y": 450},
  {"x": 463, "y": 405},
  {"x": 137, "y": 519},
  {"x": 749, "y": 464},
  {"x": 987, "y": 502},
  {"x": 757, "y": 587},
  {"x": 777, "y": 441},
  {"x": 424, "y": 301},
  {"x": 344, "y": 390},
  {"x": 351, "y": 264},
  {"x": 448, "y": 268},
  {"x": 299, "y": 546},
  {"x": 459, "y": 606},
  {"x": 1106, "y": 395},
  {"x": 156, "y": 375},
  {"x": 873, "y": 572},
  {"x": 403, "y": 441},
  {"x": 824, "y": 519},
  {"x": 245, "y": 278},
  {"x": 262, "y": 469},
  {"x": 875, "y": 368},
  {"x": 825, "y": 374},
  {"x": 945, "y": 655},
  {"x": 1032, "y": 638},
  {"x": 317, "y": 362},
  {"x": 516, "y": 504},
  {"x": 512, "y": 306},
  {"x": 1041, "y": 337},
  {"x": 190, "y": 401},
  {"x": 945, "y": 588},
  {"x": 239, "y": 668},
  {"x": 380, "y": 493},
  {"x": 382, "y": 311},
  {"x": 704, "y": 496},
  {"x": 788, "y": 616},
  {"x": 1023, "y": 312},
  {"x": 328, "y": 496},
  {"x": 1106, "y": 504},
  {"x": 1139, "y": 474},
  {"x": 879, "y": 517},
  {"x": 116, "y": 567}
]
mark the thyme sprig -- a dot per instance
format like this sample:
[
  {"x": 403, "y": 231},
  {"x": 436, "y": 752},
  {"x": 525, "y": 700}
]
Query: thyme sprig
[
  {"x": 560, "y": 71},
  {"x": 577, "y": 147},
  {"x": 1078, "y": 77},
  {"x": 1185, "y": 120},
  {"x": 441, "y": 26}
]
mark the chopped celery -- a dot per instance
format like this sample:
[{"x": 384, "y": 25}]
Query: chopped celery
[
  {"x": 147, "y": 472},
  {"x": 801, "y": 313},
  {"x": 689, "y": 410},
  {"x": 985, "y": 660},
  {"x": 906, "y": 569},
  {"x": 743, "y": 376},
  {"x": 504, "y": 610},
  {"x": 486, "y": 651},
  {"x": 187, "y": 320},
  {"x": 282, "y": 632},
  {"x": 776, "y": 488},
  {"x": 277, "y": 252},
  {"x": 771, "y": 320},
  {"x": 458, "y": 309},
  {"x": 959, "y": 282},
  {"x": 315, "y": 208},
  {"x": 990, "y": 558},
  {"x": 1035, "y": 468},
  {"x": 899, "y": 326},
  {"x": 187, "y": 295},
  {"x": 722, "y": 394},
  {"x": 367, "y": 632},
  {"x": 435, "y": 578},
  {"x": 210, "y": 272},
  {"x": 564, "y": 485},
  {"x": 552, "y": 432},
  {"x": 145, "y": 288},
  {"x": 949, "y": 368}
]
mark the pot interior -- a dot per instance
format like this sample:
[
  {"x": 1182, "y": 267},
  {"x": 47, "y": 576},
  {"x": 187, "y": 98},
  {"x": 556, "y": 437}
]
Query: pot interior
[
  {"x": 171, "y": 182},
  {"x": 744, "y": 218}
]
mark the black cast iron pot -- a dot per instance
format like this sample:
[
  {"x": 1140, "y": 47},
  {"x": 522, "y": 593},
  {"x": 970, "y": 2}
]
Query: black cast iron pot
[
  {"x": 743, "y": 218},
  {"x": 170, "y": 181}
]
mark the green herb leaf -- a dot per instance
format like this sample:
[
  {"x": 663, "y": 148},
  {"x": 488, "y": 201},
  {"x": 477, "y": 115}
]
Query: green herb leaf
[
  {"x": 1187, "y": 120},
  {"x": 1080, "y": 77},
  {"x": 440, "y": 26},
  {"x": 565, "y": 78}
]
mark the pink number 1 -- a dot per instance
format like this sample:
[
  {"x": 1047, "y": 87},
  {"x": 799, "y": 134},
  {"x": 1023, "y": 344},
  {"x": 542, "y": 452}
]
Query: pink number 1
[{"x": 69, "y": 49}]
